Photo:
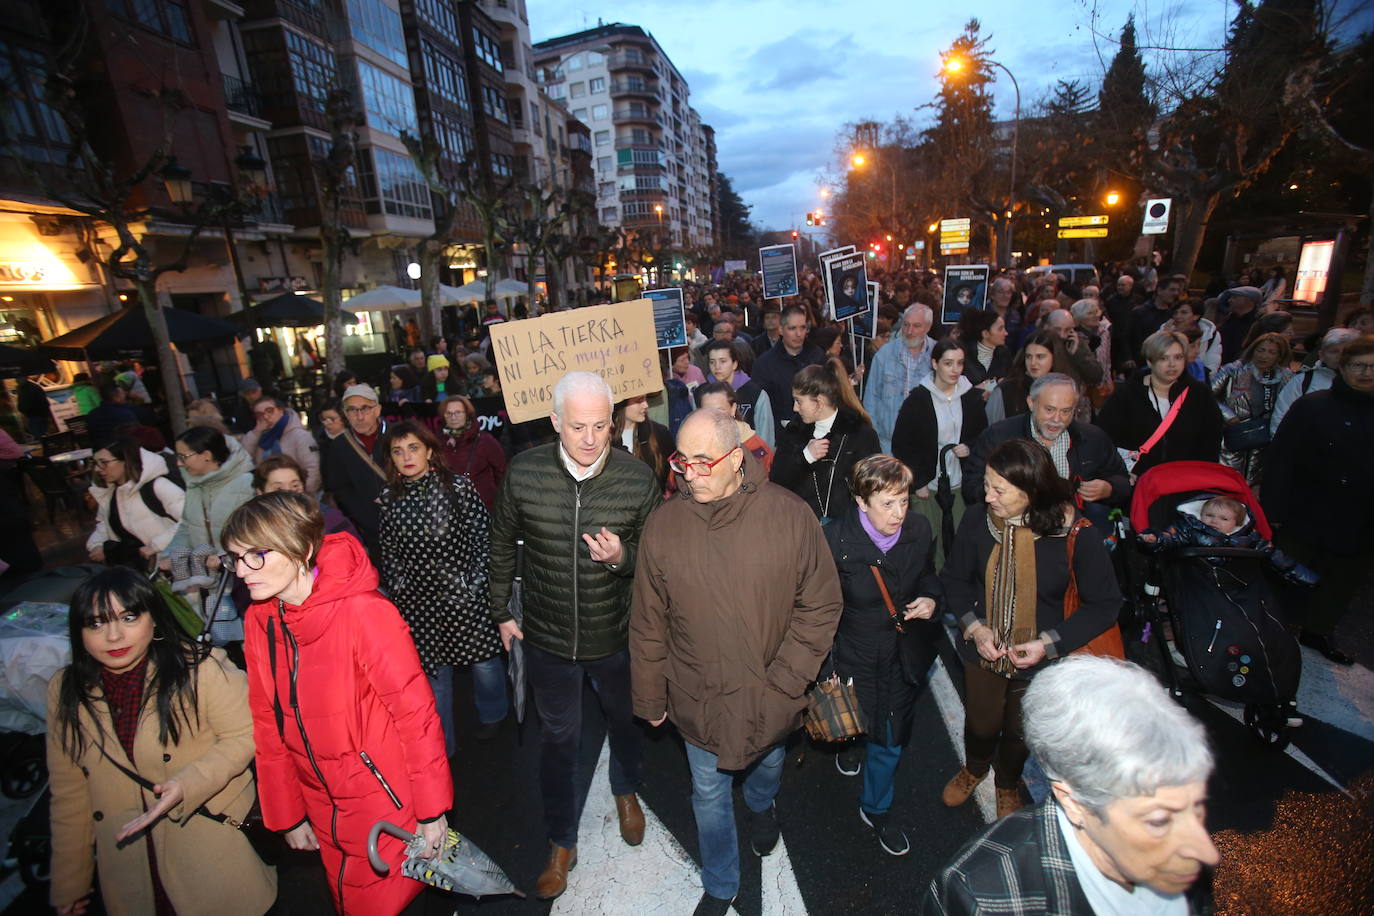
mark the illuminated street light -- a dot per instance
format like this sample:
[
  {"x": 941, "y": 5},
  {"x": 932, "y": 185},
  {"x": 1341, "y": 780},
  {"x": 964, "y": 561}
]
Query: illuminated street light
[
  {"x": 1113, "y": 198},
  {"x": 858, "y": 160},
  {"x": 953, "y": 65},
  {"x": 932, "y": 227},
  {"x": 825, "y": 192}
]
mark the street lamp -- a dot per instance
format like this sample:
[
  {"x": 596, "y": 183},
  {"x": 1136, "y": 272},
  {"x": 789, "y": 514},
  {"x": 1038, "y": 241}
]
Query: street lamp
[
  {"x": 177, "y": 179},
  {"x": 1113, "y": 198},
  {"x": 252, "y": 169},
  {"x": 954, "y": 65}
]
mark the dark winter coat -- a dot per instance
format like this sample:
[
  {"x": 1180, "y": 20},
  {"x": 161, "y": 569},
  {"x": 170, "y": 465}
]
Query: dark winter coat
[
  {"x": 476, "y": 455},
  {"x": 915, "y": 435},
  {"x": 824, "y": 484},
  {"x": 1316, "y": 484},
  {"x": 435, "y": 547},
  {"x": 998, "y": 368},
  {"x": 328, "y": 681},
  {"x": 774, "y": 371},
  {"x": 355, "y": 477},
  {"x": 965, "y": 573},
  {"x": 1092, "y": 456},
  {"x": 644, "y": 432},
  {"x": 866, "y": 643},
  {"x": 729, "y": 654},
  {"x": 575, "y": 607},
  {"x": 1129, "y": 417}
]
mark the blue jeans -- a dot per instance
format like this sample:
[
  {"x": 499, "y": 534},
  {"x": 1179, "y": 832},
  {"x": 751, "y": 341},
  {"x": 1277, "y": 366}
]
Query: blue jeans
[
  {"x": 714, "y": 807},
  {"x": 488, "y": 691},
  {"x": 880, "y": 774},
  {"x": 556, "y": 684}
]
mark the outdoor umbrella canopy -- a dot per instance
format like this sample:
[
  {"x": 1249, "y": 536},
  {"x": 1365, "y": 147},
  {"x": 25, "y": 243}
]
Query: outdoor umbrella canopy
[
  {"x": 126, "y": 334},
  {"x": 385, "y": 299},
  {"x": 476, "y": 291},
  {"x": 287, "y": 311},
  {"x": 16, "y": 362}
]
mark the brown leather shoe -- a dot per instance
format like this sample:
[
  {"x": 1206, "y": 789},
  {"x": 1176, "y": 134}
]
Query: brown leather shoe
[
  {"x": 958, "y": 789},
  {"x": 554, "y": 879},
  {"x": 1009, "y": 801},
  {"x": 631, "y": 819}
]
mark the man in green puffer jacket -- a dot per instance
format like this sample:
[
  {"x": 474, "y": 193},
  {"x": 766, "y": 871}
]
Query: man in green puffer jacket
[{"x": 579, "y": 507}]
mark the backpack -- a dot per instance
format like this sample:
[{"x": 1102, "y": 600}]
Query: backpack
[{"x": 153, "y": 501}]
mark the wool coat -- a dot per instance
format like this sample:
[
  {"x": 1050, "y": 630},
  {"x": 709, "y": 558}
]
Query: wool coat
[
  {"x": 206, "y": 868},
  {"x": 1130, "y": 417},
  {"x": 729, "y": 656},
  {"x": 330, "y": 680},
  {"x": 866, "y": 644}
]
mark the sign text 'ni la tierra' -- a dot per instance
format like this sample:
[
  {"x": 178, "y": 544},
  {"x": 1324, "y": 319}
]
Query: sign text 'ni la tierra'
[{"x": 616, "y": 341}]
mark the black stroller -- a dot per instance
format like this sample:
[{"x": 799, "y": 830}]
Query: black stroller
[{"x": 1228, "y": 626}]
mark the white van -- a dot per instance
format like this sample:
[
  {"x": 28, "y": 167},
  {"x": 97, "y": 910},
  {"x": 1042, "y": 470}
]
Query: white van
[{"x": 1079, "y": 275}]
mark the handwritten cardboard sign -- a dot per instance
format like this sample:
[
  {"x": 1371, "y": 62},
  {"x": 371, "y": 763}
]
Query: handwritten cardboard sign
[{"x": 615, "y": 341}]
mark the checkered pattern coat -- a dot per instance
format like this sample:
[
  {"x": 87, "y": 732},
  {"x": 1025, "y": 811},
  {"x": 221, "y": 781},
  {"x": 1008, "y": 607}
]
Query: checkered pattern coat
[{"x": 1020, "y": 866}]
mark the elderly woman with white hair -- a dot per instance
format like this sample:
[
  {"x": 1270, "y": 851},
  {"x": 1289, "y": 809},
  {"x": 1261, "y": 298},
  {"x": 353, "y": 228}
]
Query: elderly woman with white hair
[
  {"x": 1124, "y": 828},
  {"x": 1316, "y": 377}
]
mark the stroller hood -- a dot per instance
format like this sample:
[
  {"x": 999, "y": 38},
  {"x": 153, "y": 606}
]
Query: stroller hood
[{"x": 1189, "y": 477}]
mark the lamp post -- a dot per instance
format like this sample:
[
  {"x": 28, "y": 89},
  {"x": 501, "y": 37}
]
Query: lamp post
[
  {"x": 954, "y": 65},
  {"x": 859, "y": 160}
]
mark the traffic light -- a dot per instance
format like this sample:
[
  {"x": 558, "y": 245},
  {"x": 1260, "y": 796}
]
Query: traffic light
[
  {"x": 810, "y": 218},
  {"x": 820, "y": 218},
  {"x": 795, "y": 235}
]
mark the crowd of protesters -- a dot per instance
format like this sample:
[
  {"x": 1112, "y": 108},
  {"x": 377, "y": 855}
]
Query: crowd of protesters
[{"x": 385, "y": 524}]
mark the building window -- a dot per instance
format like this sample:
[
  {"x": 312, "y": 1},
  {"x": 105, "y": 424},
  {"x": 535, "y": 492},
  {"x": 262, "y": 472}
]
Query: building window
[
  {"x": 312, "y": 69},
  {"x": 29, "y": 121},
  {"x": 637, "y": 208},
  {"x": 166, "y": 17},
  {"x": 453, "y": 135},
  {"x": 390, "y": 103},
  {"x": 378, "y": 26},
  {"x": 439, "y": 13},
  {"x": 534, "y": 119},
  {"x": 600, "y": 112},
  {"x": 573, "y": 63},
  {"x": 597, "y": 85},
  {"x": 603, "y": 163},
  {"x": 603, "y": 137},
  {"x": 444, "y": 76},
  {"x": 577, "y": 90},
  {"x": 606, "y": 189},
  {"x": 392, "y": 185},
  {"x": 580, "y": 114},
  {"x": 609, "y": 213},
  {"x": 502, "y": 165},
  {"x": 557, "y": 90},
  {"x": 487, "y": 48},
  {"x": 494, "y": 104}
]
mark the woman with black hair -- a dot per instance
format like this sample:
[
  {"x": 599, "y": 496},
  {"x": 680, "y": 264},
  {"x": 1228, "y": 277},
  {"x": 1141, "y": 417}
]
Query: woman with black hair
[
  {"x": 138, "y": 507},
  {"x": 1017, "y": 571},
  {"x": 149, "y": 741},
  {"x": 436, "y": 537},
  {"x": 403, "y": 385},
  {"x": 985, "y": 333},
  {"x": 648, "y": 441},
  {"x": 219, "y": 479},
  {"x": 832, "y": 432},
  {"x": 1043, "y": 353}
]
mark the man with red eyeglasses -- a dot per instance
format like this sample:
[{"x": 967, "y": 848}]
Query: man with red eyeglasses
[{"x": 729, "y": 658}]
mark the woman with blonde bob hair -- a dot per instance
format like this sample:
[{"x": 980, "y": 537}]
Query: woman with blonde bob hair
[
  {"x": 1124, "y": 828},
  {"x": 343, "y": 717}
]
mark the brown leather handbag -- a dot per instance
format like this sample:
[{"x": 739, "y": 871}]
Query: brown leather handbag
[{"x": 1108, "y": 642}]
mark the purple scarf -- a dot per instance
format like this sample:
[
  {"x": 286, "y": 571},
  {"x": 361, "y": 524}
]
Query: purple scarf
[{"x": 883, "y": 542}]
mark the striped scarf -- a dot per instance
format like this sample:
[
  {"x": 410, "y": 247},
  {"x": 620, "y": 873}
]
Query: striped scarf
[{"x": 1009, "y": 589}]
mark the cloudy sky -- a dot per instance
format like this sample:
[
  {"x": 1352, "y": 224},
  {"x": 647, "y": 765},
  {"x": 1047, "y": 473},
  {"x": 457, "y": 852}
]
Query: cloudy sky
[{"x": 778, "y": 79}]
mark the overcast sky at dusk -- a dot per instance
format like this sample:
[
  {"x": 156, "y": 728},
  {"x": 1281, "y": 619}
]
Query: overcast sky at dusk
[{"x": 778, "y": 79}]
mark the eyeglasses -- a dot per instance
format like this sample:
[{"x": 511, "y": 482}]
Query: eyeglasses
[
  {"x": 680, "y": 465},
  {"x": 356, "y": 411},
  {"x": 1360, "y": 368},
  {"x": 103, "y": 463},
  {"x": 253, "y": 559},
  {"x": 183, "y": 457}
]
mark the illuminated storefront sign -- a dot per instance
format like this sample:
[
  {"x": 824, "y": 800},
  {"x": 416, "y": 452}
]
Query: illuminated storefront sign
[{"x": 1314, "y": 266}]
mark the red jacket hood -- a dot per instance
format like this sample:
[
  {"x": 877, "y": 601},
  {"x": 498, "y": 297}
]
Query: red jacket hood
[{"x": 342, "y": 571}]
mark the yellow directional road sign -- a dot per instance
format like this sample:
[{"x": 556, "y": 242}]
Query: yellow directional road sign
[
  {"x": 1084, "y": 233},
  {"x": 1069, "y": 222}
]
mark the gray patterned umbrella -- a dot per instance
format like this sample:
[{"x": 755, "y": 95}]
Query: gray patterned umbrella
[{"x": 459, "y": 867}]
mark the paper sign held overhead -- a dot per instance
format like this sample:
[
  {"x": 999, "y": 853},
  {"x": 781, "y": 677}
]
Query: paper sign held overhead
[
  {"x": 616, "y": 341},
  {"x": 778, "y": 263}
]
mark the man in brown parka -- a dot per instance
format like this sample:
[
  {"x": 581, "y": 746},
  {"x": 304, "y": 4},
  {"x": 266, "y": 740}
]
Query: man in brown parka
[{"x": 736, "y": 600}]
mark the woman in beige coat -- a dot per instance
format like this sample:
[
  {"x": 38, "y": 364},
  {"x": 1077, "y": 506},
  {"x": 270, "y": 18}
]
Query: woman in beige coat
[{"x": 143, "y": 703}]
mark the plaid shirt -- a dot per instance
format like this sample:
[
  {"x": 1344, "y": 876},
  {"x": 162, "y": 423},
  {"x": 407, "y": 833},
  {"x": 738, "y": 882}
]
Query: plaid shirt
[
  {"x": 124, "y": 695},
  {"x": 1058, "y": 449},
  {"x": 1020, "y": 866}
]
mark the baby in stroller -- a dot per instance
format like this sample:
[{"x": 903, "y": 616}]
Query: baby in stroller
[{"x": 1223, "y": 522}]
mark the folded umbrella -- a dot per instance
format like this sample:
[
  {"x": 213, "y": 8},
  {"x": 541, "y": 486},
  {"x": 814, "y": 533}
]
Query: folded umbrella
[
  {"x": 459, "y": 866},
  {"x": 944, "y": 498},
  {"x": 515, "y": 607}
]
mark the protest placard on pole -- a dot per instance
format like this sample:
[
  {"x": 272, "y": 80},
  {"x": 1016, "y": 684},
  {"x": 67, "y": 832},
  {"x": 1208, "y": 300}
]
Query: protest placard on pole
[
  {"x": 778, "y": 264},
  {"x": 616, "y": 341},
  {"x": 846, "y": 285},
  {"x": 966, "y": 287},
  {"x": 670, "y": 322},
  {"x": 862, "y": 323},
  {"x": 833, "y": 253}
]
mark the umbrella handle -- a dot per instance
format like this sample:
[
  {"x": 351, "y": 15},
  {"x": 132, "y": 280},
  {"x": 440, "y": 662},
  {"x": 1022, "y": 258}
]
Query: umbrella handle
[{"x": 378, "y": 864}]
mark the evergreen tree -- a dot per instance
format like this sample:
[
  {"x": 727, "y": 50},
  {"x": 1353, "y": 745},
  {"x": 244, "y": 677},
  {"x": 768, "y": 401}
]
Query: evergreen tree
[
  {"x": 736, "y": 232},
  {"x": 1124, "y": 106}
]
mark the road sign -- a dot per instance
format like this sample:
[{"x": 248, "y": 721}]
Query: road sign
[
  {"x": 954, "y": 236},
  {"x": 954, "y": 225},
  {"x": 1084, "y": 233},
  {"x": 953, "y": 247},
  {"x": 1157, "y": 216},
  {"x": 1069, "y": 222}
]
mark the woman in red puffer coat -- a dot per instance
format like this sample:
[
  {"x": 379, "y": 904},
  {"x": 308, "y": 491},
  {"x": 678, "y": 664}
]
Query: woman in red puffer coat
[{"x": 343, "y": 717}]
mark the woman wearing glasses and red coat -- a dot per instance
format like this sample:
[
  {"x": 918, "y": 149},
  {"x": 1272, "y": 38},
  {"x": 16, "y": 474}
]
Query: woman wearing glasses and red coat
[{"x": 343, "y": 717}]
